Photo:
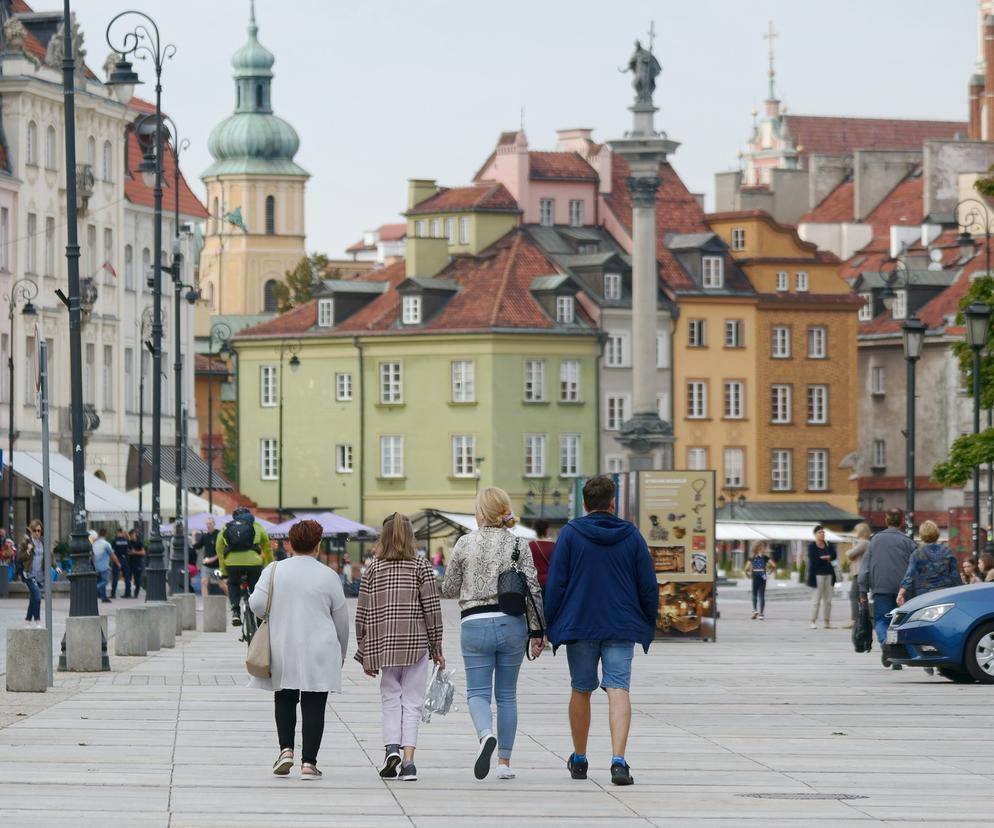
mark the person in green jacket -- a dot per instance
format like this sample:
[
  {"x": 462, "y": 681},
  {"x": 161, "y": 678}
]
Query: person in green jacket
[{"x": 243, "y": 551}]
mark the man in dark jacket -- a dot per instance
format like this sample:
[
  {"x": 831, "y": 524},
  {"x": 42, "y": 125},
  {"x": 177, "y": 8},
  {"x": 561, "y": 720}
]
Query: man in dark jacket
[
  {"x": 601, "y": 598},
  {"x": 884, "y": 565}
]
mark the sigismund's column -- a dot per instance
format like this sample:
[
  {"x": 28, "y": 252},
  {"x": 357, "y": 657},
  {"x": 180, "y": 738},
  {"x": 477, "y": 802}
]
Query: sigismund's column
[{"x": 644, "y": 149}]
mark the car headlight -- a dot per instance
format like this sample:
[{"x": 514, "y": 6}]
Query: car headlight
[{"x": 932, "y": 613}]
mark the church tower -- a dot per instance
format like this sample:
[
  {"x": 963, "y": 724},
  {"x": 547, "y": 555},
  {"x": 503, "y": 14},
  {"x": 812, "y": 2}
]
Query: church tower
[{"x": 255, "y": 193}]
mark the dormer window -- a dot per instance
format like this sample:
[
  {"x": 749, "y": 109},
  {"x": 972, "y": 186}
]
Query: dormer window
[
  {"x": 587, "y": 247},
  {"x": 899, "y": 309},
  {"x": 576, "y": 213},
  {"x": 802, "y": 281},
  {"x": 411, "y": 310},
  {"x": 783, "y": 281},
  {"x": 564, "y": 310},
  {"x": 612, "y": 286},
  {"x": 738, "y": 238},
  {"x": 866, "y": 309},
  {"x": 546, "y": 212},
  {"x": 713, "y": 269},
  {"x": 326, "y": 313}
]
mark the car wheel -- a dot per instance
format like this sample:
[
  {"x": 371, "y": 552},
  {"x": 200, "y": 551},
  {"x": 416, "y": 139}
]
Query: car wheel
[
  {"x": 979, "y": 656},
  {"x": 955, "y": 675}
]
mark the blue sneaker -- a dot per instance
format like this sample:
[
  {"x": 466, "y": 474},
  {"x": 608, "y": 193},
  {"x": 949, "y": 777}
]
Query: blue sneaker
[{"x": 577, "y": 769}]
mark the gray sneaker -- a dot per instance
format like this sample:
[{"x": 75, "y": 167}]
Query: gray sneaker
[
  {"x": 408, "y": 773},
  {"x": 391, "y": 759}
]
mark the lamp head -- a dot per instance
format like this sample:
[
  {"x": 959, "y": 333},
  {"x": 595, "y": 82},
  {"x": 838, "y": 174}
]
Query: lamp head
[
  {"x": 294, "y": 362},
  {"x": 965, "y": 243},
  {"x": 913, "y": 332},
  {"x": 978, "y": 322},
  {"x": 123, "y": 80},
  {"x": 148, "y": 168},
  {"x": 193, "y": 296},
  {"x": 29, "y": 309}
]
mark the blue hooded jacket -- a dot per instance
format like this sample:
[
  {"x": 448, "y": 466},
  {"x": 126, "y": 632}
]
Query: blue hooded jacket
[{"x": 602, "y": 583}]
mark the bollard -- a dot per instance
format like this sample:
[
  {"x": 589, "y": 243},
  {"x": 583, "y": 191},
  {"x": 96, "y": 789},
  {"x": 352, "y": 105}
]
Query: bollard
[
  {"x": 178, "y": 605},
  {"x": 163, "y": 615},
  {"x": 131, "y": 631},
  {"x": 83, "y": 644},
  {"x": 216, "y": 613},
  {"x": 151, "y": 628},
  {"x": 27, "y": 650},
  {"x": 187, "y": 608}
]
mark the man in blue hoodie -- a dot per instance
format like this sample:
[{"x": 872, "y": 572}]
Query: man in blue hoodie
[{"x": 601, "y": 598}]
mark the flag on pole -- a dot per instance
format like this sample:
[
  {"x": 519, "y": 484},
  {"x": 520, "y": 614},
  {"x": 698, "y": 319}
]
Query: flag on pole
[{"x": 109, "y": 268}]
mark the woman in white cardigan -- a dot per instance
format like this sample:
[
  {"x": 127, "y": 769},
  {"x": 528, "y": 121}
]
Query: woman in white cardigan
[{"x": 309, "y": 635}]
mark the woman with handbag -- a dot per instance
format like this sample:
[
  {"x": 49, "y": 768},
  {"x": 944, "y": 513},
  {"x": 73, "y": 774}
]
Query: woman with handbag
[
  {"x": 305, "y": 622},
  {"x": 499, "y": 622},
  {"x": 398, "y": 627}
]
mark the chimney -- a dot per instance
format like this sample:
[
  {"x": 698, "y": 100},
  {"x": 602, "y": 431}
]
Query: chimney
[
  {"x": 976, "y": 107},
  {"x": 987, "y": 128},
  {"x": 420, "y": 189},
  {"x": 574, "y": 140}
]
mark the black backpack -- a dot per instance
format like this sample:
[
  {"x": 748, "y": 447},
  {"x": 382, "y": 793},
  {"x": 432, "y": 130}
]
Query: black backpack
[{"x": 240, "y": 537}]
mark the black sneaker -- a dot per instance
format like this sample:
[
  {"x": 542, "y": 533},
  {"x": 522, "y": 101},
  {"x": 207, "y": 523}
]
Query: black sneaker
[
  {"x": 408, "y": 773},
  {"x": 883, "y": 658},
  {"x": 388, "y": 770},
  {"x": 620, "y": 774},
  {"x": 236, "y": 619},
  {"x": 578, "y": 770},
  {"x": 487, "y": 747}
]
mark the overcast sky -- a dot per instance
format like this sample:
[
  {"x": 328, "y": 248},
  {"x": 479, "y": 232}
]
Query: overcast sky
[{"x": 385, "y": 90}]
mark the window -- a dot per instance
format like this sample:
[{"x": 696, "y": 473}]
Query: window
[
  {"x": 29, "y": 373},
  {"x": 258, "y": 96},
  {"x": 781, "y": 342},
  {"x": 91, "y": 250},
  {"x": 269, "y": 461},
  {"x": 411, "y": 310},
  {"x": 616, "y": 411},
  {"x": 108, "y": 262},
  {"x": 269, "y": 304},
  {"x": 817, "y": 340},
  {"x": 4, "y": 368},
  {"x": 781, "y": 470},
  {"x": 108, "y": 163},
  {"x": 615, "y": 463},
  {"x": 464, "y": 230},
  {"x": 569, "y": 380},
  {"x": 783, "y": 281},
  {"x": 781, "y": 412},
  {"x": 899, "y": 308},
  {"x": 697, "y": 333},
  {"x": 802, "y": 281},
  {"x": 738, "y": 238},
  {"x": 50, "y": 157},
  {"x": 534, "y": 380},
  {"x": 146, "y": 266},
  {"x": 267, "y": 385},
  {"x": 534, "y": 455},
  {"x": 436, "y": 228},
  {"x": 343, "y": 386},
  {"x": 612, "y": 286},
  {"x": 878, "y": 380},
  {"x": 697, "y": 459},
  {"x": 91, "y": 152},
  {"x": 129, "y": 380},
  {"x": 145, "y": 387},
  {"x": 733, "y": 333},
  {"x": 463, "y": 381},
  {"x": 29, "y": 257},
  {"x": 713, "y": 269},
  {"x": 546, "y": 212},
  {"x": 31, "y": 155},
  {"x": 817, "y": 470},
  {"x": 270, "y": 216},
  {"x": 564, "y": 310},
  {"x": 662, "y": 351},
  {"x": 420, "y": 229},
  {"x": 616, "y": 350},
  {"x": 569, "y": 455},
  {"x": 343, "y": 458},
  {"x": 734, "y": 396},
  {"x": 4, "y": 237},
  {"x": 879, "y": 456},
  {"x": 866, "y": 309},
  {"x": 575, "y": 213},
  {"x": 450, "y": 230},
  {"x": 463, "y": 456},
  {"x": 697, "y": 399},
  {"x": 390, "y": 383},
  {"x": 818, "y": 404},
  {"x": 89, "y": 370},
  {"x": 108, "y": 378},
  {"x": 326, "y": 313},
  {"x": 392, "y": 456},
  {"x": 734, "y": 468},
  {"x": 49, "y": 246}
]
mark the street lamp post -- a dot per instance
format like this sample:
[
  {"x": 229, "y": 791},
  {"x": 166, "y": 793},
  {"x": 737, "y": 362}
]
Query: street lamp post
[
  {"x": 913, "y": 331},
  {"x": 978, "y": 321},
  {"x": 292, "y": 348},
  {"x": 220, "y": 331},
  {"x": 144, "y": 42},
  {"x": 144, "y": 331},
  {"x": 22, "y": 292}
]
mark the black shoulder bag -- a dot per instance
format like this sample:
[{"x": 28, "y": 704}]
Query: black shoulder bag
[{"x": 513, "y": 593}]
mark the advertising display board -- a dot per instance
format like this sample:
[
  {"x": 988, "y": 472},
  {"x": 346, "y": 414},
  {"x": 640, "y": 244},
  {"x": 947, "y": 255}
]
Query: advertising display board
[{"x": 675, "y": 512}]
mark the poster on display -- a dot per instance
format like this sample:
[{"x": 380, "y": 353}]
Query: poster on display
[{"x": 675, "y": 512}]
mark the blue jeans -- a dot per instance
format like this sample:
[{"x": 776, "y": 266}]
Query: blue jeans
[
  {"x": 758, "y": 593},
  {"x": 882, "y": 604},
  {"x": 492, "y": 652},
  {"x": 34, "y": 598},
  {"x": 103, "y": 577},
  {"x": 615, "y": 658}
]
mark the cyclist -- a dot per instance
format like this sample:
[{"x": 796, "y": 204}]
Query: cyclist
[{"x": 243, "y": 550}]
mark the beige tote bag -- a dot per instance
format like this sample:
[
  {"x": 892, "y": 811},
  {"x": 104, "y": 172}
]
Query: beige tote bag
[{"x": 259, "y": 661}]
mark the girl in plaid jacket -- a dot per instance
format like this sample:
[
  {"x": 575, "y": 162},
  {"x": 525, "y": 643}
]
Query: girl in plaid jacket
[{"x": 398, "y": 624}]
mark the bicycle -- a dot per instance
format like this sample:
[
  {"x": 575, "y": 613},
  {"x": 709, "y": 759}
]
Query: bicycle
[{"x": 249, "y": 622}]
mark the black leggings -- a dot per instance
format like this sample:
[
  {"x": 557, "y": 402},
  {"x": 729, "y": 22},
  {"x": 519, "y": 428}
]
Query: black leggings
[
  {"x": 237, "y": 574},
  {"x": 312, "y": 714}
]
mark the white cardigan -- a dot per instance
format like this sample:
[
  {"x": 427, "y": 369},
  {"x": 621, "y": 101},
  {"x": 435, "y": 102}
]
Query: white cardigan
[{"x": 308, "y": 625}]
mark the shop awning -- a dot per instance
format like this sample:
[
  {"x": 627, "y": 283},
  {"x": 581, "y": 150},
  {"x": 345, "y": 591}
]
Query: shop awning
[
  {"x": 736, "y": 532},
  {"x": 331, "y": 524},
  {"x": 196, "y": 472},
  {"x": 443, "y": 524}
]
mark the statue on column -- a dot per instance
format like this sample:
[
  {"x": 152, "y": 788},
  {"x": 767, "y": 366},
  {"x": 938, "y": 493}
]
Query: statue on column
[{"x": 645, "y": 68}]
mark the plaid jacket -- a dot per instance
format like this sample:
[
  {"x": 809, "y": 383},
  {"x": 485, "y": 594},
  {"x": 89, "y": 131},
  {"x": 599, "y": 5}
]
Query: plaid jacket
[{"x": 399, "y": 614}]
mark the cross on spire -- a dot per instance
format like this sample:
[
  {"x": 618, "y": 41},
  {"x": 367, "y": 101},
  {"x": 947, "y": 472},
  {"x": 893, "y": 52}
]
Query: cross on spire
[
  {"x": 771, "y": 35},
  {"x": 652, "y": 34}
]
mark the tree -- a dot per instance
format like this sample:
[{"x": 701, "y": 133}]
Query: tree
[
  {"x": 297, "y": 286},
  {"x": 229, "y": 453}
]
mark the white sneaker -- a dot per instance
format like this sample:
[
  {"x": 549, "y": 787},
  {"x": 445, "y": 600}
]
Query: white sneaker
[
  {"x": 814, "y": 626},
  {"x": 504, "y": 772}
]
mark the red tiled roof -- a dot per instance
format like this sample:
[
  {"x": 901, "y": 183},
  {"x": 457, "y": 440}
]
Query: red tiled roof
[
  {"x": 560, "y": 165},
  {"x": 359, "y": 245},
  {"x": 837, "y": 206},
  {"x": 826, "y": 135},
  {"x": 933, "y": 313},
  {"x": 204, "y": 364},
  {"x": 482, "y": 197},
  {"x": 393, "y": 232}
]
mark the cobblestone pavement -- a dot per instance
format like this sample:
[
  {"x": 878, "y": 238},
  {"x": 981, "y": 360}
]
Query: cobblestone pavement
[{"x": 773, "y": 725}]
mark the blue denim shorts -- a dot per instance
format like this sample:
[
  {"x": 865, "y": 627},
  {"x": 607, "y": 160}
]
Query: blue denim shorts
[{"x": 615, "y": 658}]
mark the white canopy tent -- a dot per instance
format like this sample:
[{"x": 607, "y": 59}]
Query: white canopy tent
[
  {"x": 469, "y": 522},
  {"x": 730, "y": 531},
  {"x": 103, "y": 501}
]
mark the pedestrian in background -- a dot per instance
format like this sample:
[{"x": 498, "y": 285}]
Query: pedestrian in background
[
  {"x": 206, "y": 544},
  {"x": 309, "y": 635},
  {"x": 31, "y": 560},
  {"x": 931, "y": 567},
  {"x": 398, "y": 627},
  {"x": 821, "y": 576},
  {"x": 121, "y": 547},
  {"x": 985, "y": 567},
  {"x": 541, "y": 549},
  {"x": 855, "y": 558},
  {"x": 760, "y": 567},
  {"x": 103, "y": 559},
  {"x": 136, "y": 559},
  {"x": 968, "y": 572}
]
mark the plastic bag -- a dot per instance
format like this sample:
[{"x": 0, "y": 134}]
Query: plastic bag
[
  {"x": 440, "y": 695},
  {"x": 862, "y": 631}
]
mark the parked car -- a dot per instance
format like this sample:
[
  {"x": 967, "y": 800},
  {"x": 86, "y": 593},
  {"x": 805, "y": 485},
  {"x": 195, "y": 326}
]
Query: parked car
[{"x": 951, "y": 630}]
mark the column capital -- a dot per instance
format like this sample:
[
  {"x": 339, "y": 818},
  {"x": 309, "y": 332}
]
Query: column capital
[{"x": 643, "y": 189}]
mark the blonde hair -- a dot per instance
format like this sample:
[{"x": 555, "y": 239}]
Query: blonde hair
[
  {"x": 862, "y": 531},
  {"x": 493, "y": 508},
  {"x": 396, "y": 539},
  {"x": 760, "y": 547},
  {"x": 928, "y": 531}
]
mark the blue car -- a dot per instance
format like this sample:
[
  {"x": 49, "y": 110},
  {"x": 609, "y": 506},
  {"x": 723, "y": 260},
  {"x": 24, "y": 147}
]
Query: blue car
[{"x": 951, "y": 630}]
